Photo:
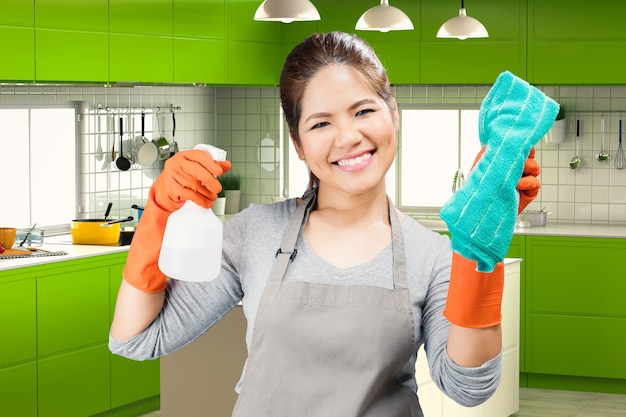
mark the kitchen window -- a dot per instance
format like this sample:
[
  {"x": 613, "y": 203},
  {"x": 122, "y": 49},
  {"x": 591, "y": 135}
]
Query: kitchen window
[
  {"x": 39, "y": 162},
  {"x": 434, "y": 143}
]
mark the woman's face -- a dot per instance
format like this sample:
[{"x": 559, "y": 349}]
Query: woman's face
[{"x": 347, "y": 132}]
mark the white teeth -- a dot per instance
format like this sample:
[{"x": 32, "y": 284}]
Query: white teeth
[{"x": 354, "y": 161}]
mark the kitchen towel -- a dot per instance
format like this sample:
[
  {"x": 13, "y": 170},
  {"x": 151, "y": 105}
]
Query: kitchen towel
[{"x": 480, "y": 216}]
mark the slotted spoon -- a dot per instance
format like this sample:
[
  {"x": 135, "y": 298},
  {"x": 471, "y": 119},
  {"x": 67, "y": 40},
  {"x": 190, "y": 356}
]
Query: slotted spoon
[{"x": 620, "y": 159}]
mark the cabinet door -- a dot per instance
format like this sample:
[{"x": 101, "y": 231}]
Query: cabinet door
[
  {"x": 132, "y": 58},
  {"x": 72, "y": 309},
  {"x": 18, "y": 48},
  {"x": 17, "y": 13},
  {"x": 72, "y": 56},
  {"x": 130, "y": 380},
  {"x": 18, "y": 390},
  {"x": 576, "y": 42},
  {"x": 74, "y": 384},
  {"x": 141, "y": 18},
  {"x": 253, "y": 63},
  {"x": 92, "y": 15},
  {"x": 569, "y": 294},
  {"x": 18, "y": 321},
  {"x": 200, "y": 61},
  {"x": 200, "y": 19},
  {"x": 473, "y": 61}
]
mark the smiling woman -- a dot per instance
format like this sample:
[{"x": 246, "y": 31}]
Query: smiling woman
[{"x": 39, "y": 165}]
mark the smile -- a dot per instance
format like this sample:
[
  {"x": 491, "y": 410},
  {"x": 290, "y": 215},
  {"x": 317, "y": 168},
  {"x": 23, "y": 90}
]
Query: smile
[{"x": 354, "y": 161}]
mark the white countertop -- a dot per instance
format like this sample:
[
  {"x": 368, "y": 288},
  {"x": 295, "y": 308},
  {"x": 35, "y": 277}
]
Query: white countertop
[{"x": 60, "y": 243}]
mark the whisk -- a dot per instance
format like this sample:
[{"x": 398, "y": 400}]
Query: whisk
[{"x": 620, "y": 159}]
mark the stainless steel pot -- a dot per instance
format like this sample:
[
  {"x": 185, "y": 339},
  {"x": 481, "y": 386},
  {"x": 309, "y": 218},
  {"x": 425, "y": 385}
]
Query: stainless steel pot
[{"x": 535, "y": 217}]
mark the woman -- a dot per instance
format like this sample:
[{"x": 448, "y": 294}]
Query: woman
[{"x": 339, "y": 288}]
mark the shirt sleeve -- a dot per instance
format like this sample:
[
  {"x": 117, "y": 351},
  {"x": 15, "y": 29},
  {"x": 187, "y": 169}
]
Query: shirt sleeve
[
  {"x": 190, "y": 308},
  {"x": 466, "y": 386}
]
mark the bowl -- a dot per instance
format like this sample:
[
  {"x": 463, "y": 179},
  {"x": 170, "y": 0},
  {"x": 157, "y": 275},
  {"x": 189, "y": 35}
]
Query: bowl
[{"x": 7, "y": 236}]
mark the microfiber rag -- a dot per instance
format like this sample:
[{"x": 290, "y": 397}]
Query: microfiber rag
[{"x": 480, "y": 216}]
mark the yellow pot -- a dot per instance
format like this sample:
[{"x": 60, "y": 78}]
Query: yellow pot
[{"x": 95, "y": 232}]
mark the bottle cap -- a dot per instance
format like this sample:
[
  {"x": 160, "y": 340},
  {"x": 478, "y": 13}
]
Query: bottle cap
[{"x": 217, "y": 153}]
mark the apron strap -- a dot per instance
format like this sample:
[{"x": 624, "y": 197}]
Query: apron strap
[
  {"x": 399, "y": 256},
  {"x": 287, "y": 252}
]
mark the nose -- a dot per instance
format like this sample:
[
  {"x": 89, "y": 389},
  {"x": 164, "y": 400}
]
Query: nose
[{"x": 348, "y": 134}]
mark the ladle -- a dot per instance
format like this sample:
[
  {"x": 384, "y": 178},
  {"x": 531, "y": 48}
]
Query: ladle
[
  {"x": 575, "y": 161},
  {"x": 122, "y": 162},
  {"x": 602, "y": 155}
]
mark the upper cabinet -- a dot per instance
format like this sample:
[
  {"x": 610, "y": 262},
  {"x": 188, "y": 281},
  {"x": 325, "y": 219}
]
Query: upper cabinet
[
  {"x": 473, "y": 61},
  {"x": 217, "y": 42},
  {"x": 17, "y": 37},
  {"x": 576, "y": 42},
  {"x": 72, "y": 36},
  {"x": 140, "y": 41},
  {"x": 200, "y": 41}
]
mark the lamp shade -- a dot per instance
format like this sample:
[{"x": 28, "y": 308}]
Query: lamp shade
[
  {"x": 286, "y": 11},
  {"x": 462, "y": 27},
  {"x": 384, "y": 18}
]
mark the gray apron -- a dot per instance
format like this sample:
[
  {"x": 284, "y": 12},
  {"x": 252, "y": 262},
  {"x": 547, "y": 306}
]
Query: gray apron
[{"x": 324, "y": 350}]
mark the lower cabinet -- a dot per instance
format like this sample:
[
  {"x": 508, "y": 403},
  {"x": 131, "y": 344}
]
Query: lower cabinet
[
  {"x": 505, "y": 400},
  {"x": 74, "y": 384},
  {"x": 58, "y": 362},
  {"x": 575, "y": 293},
  {"x": 18, "y": 390}
]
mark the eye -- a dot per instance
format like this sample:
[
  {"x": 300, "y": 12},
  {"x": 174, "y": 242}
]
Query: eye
[
  {"x": 319, "y": 125},
  {"x": 364, "y": 112}
]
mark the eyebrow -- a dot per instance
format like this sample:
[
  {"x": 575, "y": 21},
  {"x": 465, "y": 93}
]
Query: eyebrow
[{"x": 352, "y": 107}]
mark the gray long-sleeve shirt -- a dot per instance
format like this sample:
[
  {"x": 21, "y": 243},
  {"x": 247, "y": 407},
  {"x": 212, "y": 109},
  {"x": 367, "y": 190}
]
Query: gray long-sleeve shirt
[{"x": 251, "y": 239}]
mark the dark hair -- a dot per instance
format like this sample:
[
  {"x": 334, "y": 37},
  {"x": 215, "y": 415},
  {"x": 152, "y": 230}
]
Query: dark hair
[{"x": 318, "y": 51}]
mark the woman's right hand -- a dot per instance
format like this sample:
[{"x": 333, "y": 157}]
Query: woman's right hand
[{"x": 189, "y": 175}]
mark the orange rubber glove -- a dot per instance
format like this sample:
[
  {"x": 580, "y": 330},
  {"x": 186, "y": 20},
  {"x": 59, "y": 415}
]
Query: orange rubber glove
[
  {"x": 475, "y": 298},
  {"x": 188, "y": 175}
]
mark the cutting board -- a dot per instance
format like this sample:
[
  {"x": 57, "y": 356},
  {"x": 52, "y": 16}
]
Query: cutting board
[{"x": 21, "y": 253}]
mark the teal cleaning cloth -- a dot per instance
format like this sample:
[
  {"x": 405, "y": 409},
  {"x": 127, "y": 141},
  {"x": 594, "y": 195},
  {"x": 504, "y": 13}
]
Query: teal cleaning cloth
[{"x": 481, "y": 215}]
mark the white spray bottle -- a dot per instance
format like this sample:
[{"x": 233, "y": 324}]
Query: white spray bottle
[{"x": 192, "y": 243}]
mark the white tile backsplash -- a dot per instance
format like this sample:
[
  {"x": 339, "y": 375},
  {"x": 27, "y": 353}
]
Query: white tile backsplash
[{"x": 237, "y": 118}]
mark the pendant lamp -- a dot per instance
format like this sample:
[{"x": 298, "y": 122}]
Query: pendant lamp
[
  {"x": 286, "y": 11},
  {"x": 462, "y": 27},
  {"x": 384, "y": 18}
]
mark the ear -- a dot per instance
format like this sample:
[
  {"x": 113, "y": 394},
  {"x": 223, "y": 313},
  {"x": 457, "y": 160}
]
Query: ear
[{"x": 298, "y": 148}]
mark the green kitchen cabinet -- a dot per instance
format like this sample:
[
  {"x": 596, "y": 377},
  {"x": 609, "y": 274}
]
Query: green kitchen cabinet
[
  {"x": 17, "y": 13},
  {"x": 200, "y": 41},
  {"x": 253, "y": 63},
  {"x": 140, "y": 17},
  {"x": 575, "y": 297},
  {"x": 132, "y": 58},
  {"x": 80, "y": 15},
  {"x": 72, "y": 309},
  {"x": 472, "y": 61},
  {"x": 58, "y": 362},
  {"x": 18, "y": 321},
  {"x": 139, "y": 32},
  {"x": 74, "y": 383},
  {"x": 72, "y": 41},
  {"x": 72, "y": 56},
  {"x": 199, "y": 19},
  {"x": 131, "y": 380},
  {"x": 576, "y": 42},
  {"x": 18, "y": 390},
  {"x": 18, "y": 53}
]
